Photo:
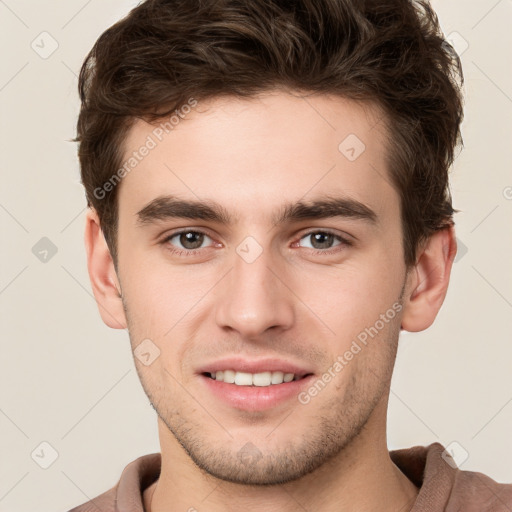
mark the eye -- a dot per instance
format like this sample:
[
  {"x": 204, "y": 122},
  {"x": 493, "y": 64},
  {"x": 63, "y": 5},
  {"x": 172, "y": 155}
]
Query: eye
[
  {"x": 323, "y": 240},
  {"x": 186, "y": 240}
]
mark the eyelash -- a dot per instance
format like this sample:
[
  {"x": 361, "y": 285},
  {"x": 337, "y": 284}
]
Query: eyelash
[{"x": 192, "y": 252}]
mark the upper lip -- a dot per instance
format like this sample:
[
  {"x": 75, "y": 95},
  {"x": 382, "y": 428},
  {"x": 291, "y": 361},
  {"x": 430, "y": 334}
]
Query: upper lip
[{"x": 255, "y": 366}]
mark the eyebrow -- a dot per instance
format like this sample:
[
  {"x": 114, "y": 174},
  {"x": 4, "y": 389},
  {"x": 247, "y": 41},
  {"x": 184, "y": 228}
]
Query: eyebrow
[{"x": 169, "y": 207}]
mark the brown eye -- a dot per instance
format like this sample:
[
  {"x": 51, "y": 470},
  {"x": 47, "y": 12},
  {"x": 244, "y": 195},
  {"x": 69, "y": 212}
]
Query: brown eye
[
  {"x": 188, "y": 240},
  {"x": 322, "y": 240},
  {"x": 191, "y": 240}
]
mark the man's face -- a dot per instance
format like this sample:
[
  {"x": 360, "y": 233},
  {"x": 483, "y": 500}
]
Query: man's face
[{"x": 293, "y": 295}]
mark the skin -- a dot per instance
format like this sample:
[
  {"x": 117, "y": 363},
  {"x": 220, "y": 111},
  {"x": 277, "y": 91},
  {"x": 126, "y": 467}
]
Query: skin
[{"x": 293, "y": 302}]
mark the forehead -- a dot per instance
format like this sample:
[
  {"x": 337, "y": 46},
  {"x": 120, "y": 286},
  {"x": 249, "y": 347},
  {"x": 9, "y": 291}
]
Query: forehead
[{"x": 253, "y": 154}]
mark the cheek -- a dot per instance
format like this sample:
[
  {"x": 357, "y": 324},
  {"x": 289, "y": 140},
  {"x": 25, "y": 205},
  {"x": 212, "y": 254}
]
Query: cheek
[
  {"x": 162, "y": 298},
  {"x": 351, "y": 297}
]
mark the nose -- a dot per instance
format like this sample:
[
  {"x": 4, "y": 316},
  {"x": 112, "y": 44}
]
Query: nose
[{"x": 254, "y": 297}]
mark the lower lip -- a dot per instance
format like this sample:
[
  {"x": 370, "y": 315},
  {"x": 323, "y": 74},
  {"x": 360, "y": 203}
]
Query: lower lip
[{"x": 256, "y": 398}]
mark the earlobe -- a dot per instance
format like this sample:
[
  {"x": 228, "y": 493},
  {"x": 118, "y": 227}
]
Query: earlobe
[
  {"x": 427, "y": 282},
  {"x": 102, "y": 273}
]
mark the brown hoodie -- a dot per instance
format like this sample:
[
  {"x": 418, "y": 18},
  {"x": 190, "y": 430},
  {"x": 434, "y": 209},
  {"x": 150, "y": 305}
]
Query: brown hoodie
[{"x": 443, "y": 486}]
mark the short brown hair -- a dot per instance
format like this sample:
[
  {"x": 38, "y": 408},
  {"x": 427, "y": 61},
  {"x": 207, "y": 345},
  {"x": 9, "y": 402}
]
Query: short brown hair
[{"x": 390, "y": 52}]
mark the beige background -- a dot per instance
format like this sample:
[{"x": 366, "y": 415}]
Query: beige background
[{"x": 69, "y": 381}]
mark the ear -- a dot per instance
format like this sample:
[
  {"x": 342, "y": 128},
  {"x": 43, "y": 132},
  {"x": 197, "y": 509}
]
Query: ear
[
  {"x": 427, "y": 282},
  {"x": 105, "y": 285}
]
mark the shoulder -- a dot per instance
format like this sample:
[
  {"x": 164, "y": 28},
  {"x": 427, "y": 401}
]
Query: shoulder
[
  {"x": 478, "y": 492},
  {"x": 105, "y": 502},
  {"x": 127, "y": 493},
  {"x": 444, "y": 486}
]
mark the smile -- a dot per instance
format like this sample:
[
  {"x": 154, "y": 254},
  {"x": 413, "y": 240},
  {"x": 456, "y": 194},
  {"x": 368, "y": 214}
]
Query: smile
[{"x": 261, "y": 379}]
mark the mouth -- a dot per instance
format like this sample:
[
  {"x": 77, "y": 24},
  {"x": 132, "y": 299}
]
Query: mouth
[
  {"x": 254, "y": 385},
  {"x": 260, "y": 379},
  {"x": 254, "y": 392}
]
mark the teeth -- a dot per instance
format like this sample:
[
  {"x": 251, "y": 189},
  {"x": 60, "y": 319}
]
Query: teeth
[
  {"x": 243, "y": 379},
  {"x": 229, "y": 376},
  {"x": 277, "y": 377},
  {"x": 262, "y": 379}
]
